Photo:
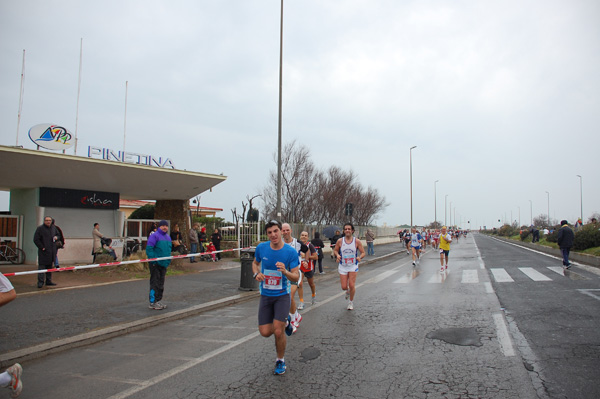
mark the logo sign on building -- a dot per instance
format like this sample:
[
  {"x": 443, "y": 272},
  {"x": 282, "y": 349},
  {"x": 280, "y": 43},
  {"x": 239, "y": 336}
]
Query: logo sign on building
[
  {"x": 86, "y": 199},
  {"x": 51, "y": 137}
]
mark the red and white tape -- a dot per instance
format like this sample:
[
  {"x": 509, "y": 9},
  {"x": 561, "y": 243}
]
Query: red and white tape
[{"x": 127, "y": 262}]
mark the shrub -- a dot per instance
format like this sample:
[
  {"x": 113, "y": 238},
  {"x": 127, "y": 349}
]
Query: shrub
[
  {"x": 507, "y": 231},
  {"x": 587, "y": 237},
  {"x": 524, "y": 234},
  {"x": 552, "y": 237}
]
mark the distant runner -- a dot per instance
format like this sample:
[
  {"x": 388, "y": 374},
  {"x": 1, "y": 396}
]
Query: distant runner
[
  {"x": 445, "y": 240},
  {"x": 416, "y": 240}
]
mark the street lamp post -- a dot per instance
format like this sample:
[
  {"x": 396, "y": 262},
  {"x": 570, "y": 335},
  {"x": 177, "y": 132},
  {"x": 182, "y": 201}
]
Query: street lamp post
[
  {"x": 445, "y": 208},
  {"x": 278, "y": 210},
  {"x": 548, "y": 209},
  {"x": 411, "y": 206},
  {"x": 581, "y": 195},
  {"x": 531, "y": 211},
  {"x": 435, "y": 203}
]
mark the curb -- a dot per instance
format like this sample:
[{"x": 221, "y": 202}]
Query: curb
[{"x": 41, "y": 350}]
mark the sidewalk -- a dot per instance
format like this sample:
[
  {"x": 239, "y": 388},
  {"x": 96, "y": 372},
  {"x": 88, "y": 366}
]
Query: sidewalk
[{"x": 85, "y": 308}]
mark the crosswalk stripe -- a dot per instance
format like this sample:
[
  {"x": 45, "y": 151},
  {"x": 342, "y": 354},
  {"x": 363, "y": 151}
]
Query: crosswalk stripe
[
  {"x": 557, "y": 269},
  {"x": 470, "y": 276},
  {"x": 437, "y": 278},
  {"x": 488, "y": 287},
  {"x": 501, "y": 276},
  {"x": 534, "y": 274},
  {"x": 407, "y": 278}
]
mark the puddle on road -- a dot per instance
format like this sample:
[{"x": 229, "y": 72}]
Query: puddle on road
[
  {"x": 309, "y": 354},
  {"x": 457, "y": 336}
]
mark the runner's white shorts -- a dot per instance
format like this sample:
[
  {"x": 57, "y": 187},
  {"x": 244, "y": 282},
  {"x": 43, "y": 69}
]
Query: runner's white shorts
[{"x": 345, "y": 269}]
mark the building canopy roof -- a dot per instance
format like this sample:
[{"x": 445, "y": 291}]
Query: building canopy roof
[{"x": 25, "y": 168}]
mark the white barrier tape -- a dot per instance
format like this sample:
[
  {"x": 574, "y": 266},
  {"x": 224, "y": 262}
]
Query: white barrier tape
[{"x": 127, "y": 262}]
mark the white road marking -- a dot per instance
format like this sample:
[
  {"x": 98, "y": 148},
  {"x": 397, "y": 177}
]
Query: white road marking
[
  {"x": 594, "y": 293},
  {"x": 557, "y": 269},
  {"x": 407, "y": 278},
  {"x": 470, "y": 277},
  {"x": 437, "y": 278},
  {"x": 382, "y": 276},
  {"x": 501, "y": 276},
  {"x": 488, "y": 287},
  {"x": 534, "y": 274},
  {"x": 503, "y": 337}
]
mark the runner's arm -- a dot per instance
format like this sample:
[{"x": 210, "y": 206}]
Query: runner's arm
[
  {"x": 360, "y": 248},
  {"x": 336, "y": 250}
]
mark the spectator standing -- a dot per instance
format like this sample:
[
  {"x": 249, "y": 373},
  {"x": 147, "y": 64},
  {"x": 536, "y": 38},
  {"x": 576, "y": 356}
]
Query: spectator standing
[
  {"x": 370, "y": 238},
  {"x": 97, "y": 244},
  {"x": 60, "y": 241},
  {"x": 202, "y": 238},
  {"x": 565, "y": 242},
  {"x": 193, "y": 236},
  {"x": 44, "y": 239},
  {"x": 216, "y": 240},
  {"x": 319, "y": 245},
  {"x": 177, "y": 239},
  {"x": 159, "y": 245}
]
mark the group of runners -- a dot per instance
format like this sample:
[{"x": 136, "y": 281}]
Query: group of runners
[
  {"x": 280, "y": 265},
  {"x": 416, "y": 243}
]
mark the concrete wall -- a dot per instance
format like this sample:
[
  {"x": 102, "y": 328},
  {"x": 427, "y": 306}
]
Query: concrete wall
[{"x": 25, "y": 202}]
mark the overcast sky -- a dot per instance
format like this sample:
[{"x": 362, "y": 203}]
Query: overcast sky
[{"x": 501, "y": 98}]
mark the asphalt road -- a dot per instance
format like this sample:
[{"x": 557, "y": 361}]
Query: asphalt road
[
  {"x": 414, "y": 333},
  {"x": 556, "y": 314}
]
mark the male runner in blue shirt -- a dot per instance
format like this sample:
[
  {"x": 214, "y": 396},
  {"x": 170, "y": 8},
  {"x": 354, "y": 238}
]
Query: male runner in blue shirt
[{"x": 274, "y": 265}]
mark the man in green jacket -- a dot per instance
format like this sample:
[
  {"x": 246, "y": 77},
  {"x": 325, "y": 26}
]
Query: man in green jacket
[{"x": 159, "y": 245}]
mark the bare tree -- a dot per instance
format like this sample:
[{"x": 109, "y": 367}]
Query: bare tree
[{"x": 312, "y": 196}]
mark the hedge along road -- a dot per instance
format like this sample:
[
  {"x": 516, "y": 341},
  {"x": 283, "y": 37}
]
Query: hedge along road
[{"x": 48, "y": 320}]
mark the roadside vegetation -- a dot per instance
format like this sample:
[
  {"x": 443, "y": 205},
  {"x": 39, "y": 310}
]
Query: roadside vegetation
[{"x": 587, "y": 237}]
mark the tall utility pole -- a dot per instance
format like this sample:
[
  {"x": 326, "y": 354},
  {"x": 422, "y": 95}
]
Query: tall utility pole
[
  {"x": 548, "y": 209},
  {"x": 278, "y": 210},
  {"x": 581, "y": 194},
  {"x": 531, "y": 211},
  {"x": 435, "y": 203},
  {"x": 445, "y": 208},
  {"x": 411, "y": 207}
]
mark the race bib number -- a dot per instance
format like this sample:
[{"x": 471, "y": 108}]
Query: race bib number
[
  {"x": 272, "y": 280},
  {"x": 348, "y": 259}
]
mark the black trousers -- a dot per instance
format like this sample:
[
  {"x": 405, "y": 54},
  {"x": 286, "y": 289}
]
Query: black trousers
[
  {"x": 157, "y": 282},
  {"x": 48, "y": 276}
]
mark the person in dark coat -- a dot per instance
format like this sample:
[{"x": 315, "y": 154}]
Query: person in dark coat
[
  {"x": 44, "y": 238},
  {"x": 565, "y": 242},
  {"x": 60, "y": 241},
  {"x": 216, "y": 240},
  {"x": 319, "y": 245}
]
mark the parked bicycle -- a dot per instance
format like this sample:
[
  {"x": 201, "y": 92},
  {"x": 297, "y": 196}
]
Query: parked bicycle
[{"x": 10, "y": 254}]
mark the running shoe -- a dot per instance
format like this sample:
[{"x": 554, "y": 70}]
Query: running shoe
[
  {"x": 442, "y": 269},
  {"x": 298, "y": 320},
  {"x": 16, "y": 385},
  {"x": 350, "y": 306},
  {"x": 347, "y": 296},
  {"x": 161, "y": 305},
  {"x": 313, "y": 300},
  {"x": 321, "y": 272},
  {"x": 446, "y": 267},
  {"x": 156, "y": 306},
  {"x": 301, "y": 305},
  {"x": 568, "y": 266},
  {"x": 279, "y": 367},
  {"x": 414, "y": 264},
  {"x": 289, "y": 327}
]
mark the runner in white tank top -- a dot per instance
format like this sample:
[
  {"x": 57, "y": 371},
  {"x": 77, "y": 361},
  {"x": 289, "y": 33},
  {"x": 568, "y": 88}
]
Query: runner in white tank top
[{"x": 347, "y": 251}]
